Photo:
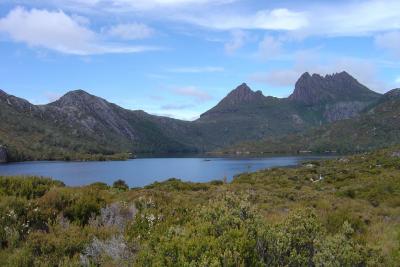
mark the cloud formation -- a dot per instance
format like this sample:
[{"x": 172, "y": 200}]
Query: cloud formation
[
  {"x": 389, "y": 41},
  {"x": 237, "y": 41},
  {"x": 269, "y": 47},
  {"x": 274, "y": 19},
  {"x": 193, "y": 92},
  {"x": 130, "y": 31},
  {"x": 363, "y": 70},
  {"x": 57, "y": 31}
]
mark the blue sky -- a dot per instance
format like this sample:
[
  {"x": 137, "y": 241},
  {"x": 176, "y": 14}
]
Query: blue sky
[{"x": 180, "y": 57}]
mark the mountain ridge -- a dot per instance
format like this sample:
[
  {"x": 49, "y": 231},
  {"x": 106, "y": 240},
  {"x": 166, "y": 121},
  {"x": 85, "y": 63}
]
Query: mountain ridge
[
  {"x": 243, "y": 115},
  {"x": 376, "y": 127}
]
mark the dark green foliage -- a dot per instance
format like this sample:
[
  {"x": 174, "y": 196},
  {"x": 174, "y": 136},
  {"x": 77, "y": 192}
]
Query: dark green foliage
[
  {"x": 174, "y": 184},
  {"x": 120, "y": 185},
  {"x": 27, "y": 187}
]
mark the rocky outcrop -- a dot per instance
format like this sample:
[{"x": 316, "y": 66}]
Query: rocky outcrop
[
  {"x": 392, "y": 94},
  {"x": 240, "y": 96},
  {"x": 343, "y": 110},
  {"x": 3, "y": 155},
  {"x": 16, "y": 102},
  {"x": 339, "y": 87}
]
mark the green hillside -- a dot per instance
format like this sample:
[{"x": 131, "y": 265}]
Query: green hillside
[{"x": 377, "y": 126}]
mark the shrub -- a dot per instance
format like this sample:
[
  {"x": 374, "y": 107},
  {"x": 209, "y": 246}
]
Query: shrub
[
  {"x": 341, "y": 250},
  {"x": 120, "y": 185},
  {"x": 222, "y": 233}
]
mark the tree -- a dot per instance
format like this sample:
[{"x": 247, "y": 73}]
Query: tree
[{"x": 121, "y": 185}]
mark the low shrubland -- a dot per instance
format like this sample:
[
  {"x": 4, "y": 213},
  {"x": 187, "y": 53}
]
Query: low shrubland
[{"x": 341, "y": 212}]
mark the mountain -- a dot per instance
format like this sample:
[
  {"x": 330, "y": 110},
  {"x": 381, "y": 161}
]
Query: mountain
[
  {"x": 139, "y": 130},
  {"x": 339, "y": 87},
  {"x": 377, "y": 126},
  {"x": 239, "y": 97},
  {"x": 80, "y": 123},
  {"x": 335, "y": 97},
  {"x": 245, "y": 115}
]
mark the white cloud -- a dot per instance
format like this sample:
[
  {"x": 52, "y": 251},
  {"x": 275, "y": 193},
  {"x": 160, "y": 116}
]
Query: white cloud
[
  {"x": 131, "y": 31},
  {"x": 197, "y": 69},
  {"x": 354, "y": 18},
  {"x": 389, "y": 41},
  {"x": 269, "y": 47},
  {"x": 193, "y": 92},
  {"x": 150, "y": 4},
  {"x": 397, "y": 80},
  {"x": 136, "y": 5},
  {"x": 331, "y": 18},
  {"x": 275, "y": 19},
  {"x": 238, "y": 40},
  {"x": 363, "y": 70},
  {"x": 59, "y": 32}
]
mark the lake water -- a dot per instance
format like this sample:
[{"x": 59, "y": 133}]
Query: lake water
[{"x": 143, "y": 171}]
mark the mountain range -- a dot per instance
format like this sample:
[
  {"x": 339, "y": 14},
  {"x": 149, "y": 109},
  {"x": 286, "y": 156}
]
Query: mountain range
[{"x": 80, "y": 123}]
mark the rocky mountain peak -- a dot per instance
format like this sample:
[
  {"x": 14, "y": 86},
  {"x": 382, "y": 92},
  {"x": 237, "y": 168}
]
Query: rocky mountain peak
[
  {"x": 239, "y": 96},
  {"x": 78, "y": 99},
  {"x": 242, "y": 94},
  {"x": 316, "y": 89},
  {"x": 15, "y": 102}
]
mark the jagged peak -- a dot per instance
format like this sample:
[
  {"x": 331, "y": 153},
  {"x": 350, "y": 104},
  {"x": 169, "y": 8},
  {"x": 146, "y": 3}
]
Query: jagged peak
[
  {"x": 242, "y": 93},
  {"x": 340, "y": 86}
]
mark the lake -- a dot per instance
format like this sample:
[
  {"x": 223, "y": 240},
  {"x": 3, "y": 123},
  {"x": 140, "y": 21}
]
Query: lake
[{"x": 144, "y": 171}]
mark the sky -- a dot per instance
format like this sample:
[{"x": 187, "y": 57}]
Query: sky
[{"x": 178, "y": 58}]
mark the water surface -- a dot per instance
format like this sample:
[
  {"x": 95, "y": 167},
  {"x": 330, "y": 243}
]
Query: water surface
[{"x": 143, "y": 171}]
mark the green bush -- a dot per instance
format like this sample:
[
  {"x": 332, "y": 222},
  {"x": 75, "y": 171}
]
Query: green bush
[{"x": 120, "y": 185}]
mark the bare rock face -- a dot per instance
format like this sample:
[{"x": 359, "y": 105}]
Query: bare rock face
[
  {"x": 16, "y": 102},
  {"x": 242, "y": 95},
  {"x": 93, "y": 113},
  {"x": 339, "y": 87},
  {"x": 3, "y": 155},
  {"x": 343, "y": 110}
]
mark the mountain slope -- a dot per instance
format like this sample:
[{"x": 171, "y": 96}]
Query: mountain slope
[
  {"x": 378, "y": 126},
  {"x": 81, "y": 123},
  {"x": 247, "y": 115}
]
